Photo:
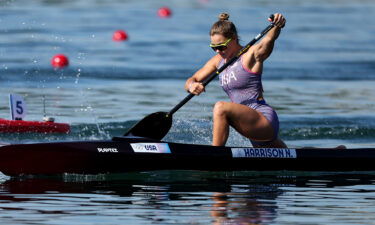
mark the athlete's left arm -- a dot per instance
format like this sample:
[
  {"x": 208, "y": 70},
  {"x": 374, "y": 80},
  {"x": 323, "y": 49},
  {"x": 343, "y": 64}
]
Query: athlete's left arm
[{"x": 264, "y": 49}]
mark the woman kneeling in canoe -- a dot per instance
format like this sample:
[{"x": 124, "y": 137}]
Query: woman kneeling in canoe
[{"x": 247, "y": 112}]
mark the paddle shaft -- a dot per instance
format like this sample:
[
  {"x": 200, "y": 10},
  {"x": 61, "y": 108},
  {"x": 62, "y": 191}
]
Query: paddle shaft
[{"x": 223, "y": 67}]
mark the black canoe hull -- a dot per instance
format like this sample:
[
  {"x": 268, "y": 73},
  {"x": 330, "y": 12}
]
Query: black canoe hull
[{"x": 123, "y": 154}]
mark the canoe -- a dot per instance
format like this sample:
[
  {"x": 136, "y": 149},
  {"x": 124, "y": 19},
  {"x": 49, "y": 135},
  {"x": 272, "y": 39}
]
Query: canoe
[
  {"x": 123, "y": 154},
  {"x": 22, "y": 126}
]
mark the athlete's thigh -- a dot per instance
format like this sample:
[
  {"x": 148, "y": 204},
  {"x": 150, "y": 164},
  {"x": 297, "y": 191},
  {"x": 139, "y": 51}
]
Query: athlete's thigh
[{"x": 249, "y": 122}]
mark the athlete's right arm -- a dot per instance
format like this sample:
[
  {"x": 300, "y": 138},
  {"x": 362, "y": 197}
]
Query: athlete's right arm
[{"x": 193, "y": 84}]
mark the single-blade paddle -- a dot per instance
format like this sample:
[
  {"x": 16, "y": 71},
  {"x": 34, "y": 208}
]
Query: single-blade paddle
[{"x": 157, "y": 125}]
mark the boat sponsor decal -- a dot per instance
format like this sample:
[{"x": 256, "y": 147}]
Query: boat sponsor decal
[
  {"x": 110, "y": 150},
  {"x": 263, "y": 153},
  {"x": 151, "y": 147}
]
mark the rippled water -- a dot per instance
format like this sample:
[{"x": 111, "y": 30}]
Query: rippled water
[
  {"x": 320, "y": 78},
  {"x": 190, "y": 198}
]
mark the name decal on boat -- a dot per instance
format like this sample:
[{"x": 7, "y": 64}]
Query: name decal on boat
[
  {"x": 263, "y": 153},
  {"x": 151, "y": 147},
  {"x": 113, "y": 150}
]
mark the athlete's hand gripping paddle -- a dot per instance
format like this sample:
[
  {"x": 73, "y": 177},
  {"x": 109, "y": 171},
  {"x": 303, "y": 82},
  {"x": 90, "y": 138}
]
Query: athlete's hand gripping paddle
[{"x": 157, "y": 125}]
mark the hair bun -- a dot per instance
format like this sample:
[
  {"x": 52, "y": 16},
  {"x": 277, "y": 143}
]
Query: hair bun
[{"x": 223, "y": 16}]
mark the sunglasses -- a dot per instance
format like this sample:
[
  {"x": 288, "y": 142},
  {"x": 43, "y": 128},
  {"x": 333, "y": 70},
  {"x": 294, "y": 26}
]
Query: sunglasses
[{"x": 220, "y": 47}]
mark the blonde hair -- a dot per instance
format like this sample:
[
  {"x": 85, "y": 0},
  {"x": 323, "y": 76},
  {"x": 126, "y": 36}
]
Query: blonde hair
[{"x": 224, "y": 27}]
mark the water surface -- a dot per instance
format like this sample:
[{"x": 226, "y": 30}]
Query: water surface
[{"x": 320, "y": 79}]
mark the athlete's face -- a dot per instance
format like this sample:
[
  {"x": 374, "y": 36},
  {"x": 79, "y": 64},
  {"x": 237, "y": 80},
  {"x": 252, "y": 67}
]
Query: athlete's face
[{"x": 221, "y": 44}]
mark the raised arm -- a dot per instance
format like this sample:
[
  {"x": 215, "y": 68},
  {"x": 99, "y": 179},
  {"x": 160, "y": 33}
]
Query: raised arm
[
  {"x": 264, "y": 49},
  {"x": 258, "y": 53}
]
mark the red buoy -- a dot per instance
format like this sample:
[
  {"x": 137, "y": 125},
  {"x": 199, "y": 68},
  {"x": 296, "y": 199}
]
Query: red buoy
[
  {"x": 60, "y": 61},
  {"x": 164, "y": 12},
  {"x": 120, "y": 35}
]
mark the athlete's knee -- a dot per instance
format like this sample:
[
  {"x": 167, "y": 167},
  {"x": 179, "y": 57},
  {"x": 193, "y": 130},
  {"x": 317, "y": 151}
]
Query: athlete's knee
[{"x": 219, "y": 109}]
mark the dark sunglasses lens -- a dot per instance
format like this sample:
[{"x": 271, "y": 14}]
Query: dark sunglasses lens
[{"x": 220, "y": 48}]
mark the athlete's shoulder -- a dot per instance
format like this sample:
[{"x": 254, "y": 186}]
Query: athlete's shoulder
[{"x": 215, "y": 60}]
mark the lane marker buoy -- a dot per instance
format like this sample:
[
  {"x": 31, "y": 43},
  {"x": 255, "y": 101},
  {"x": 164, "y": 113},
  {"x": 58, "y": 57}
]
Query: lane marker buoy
[
  {"x": 59, "y": 61},
  {"x": 120, "y": 35},
  {"x": 164, "y": 12}
]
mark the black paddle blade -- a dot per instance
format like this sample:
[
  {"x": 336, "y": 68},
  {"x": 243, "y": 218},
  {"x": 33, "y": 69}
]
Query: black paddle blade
[{"x": 154, "y": 126}]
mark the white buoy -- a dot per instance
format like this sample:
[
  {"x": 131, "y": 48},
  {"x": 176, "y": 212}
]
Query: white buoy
[{"x": 48, "y": 119}]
